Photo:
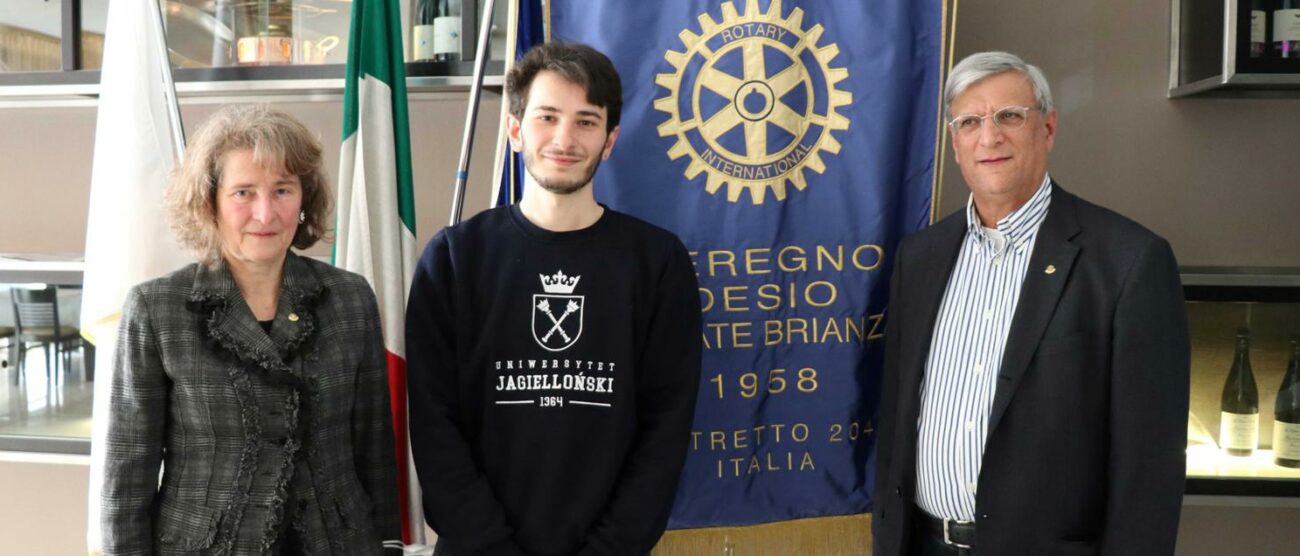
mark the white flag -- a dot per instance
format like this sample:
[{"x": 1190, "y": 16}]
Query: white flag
[{"x": 127, "y": 240}]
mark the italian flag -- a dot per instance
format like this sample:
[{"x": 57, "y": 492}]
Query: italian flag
[{"x": 376, "y": 207}]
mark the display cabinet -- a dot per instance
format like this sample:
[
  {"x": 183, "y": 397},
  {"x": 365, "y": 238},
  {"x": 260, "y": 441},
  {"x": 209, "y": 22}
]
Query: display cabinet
[
  {"x": 1239, "y": 48},
  {"x": 50, "y": 50},
  {"x": 1220, "y": 303}
]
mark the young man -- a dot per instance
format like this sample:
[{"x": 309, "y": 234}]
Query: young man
[{"x": 554, "y": 345}]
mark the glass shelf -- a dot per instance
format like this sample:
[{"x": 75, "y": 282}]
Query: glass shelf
[{"x": 1209, "y": 462}]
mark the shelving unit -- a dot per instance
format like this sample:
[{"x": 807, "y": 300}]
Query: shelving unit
[
  {"x": 1209, "y": 46},
  {"x": 311, "y": 84}
]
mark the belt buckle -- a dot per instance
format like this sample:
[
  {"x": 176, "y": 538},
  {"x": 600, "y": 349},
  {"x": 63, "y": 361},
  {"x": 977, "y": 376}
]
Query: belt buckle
[{"x": 947, "y": 538}]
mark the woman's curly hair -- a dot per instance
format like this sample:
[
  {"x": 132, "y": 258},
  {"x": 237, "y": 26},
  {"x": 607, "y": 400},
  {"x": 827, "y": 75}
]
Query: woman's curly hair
[{"x": 277, "y": 140}]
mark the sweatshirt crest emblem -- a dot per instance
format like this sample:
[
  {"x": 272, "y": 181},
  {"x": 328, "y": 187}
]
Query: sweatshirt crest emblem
[{"x": 557, "y": 313}]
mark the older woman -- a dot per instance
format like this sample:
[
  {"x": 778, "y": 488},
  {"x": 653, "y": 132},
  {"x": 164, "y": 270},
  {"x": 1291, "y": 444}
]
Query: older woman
[{"x": 255, "y": 377}]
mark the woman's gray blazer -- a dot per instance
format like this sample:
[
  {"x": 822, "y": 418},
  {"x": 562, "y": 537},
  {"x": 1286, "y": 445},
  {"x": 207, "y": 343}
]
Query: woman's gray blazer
[{"x": 289, "y": 426}]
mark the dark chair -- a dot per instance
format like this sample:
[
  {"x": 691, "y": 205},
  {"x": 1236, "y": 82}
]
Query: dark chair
[{"x": 36, "y": 317}]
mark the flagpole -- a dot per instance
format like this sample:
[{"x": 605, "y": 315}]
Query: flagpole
[
  {"x": 471, "y": 115},
  {"x": 169, "y": 85}
]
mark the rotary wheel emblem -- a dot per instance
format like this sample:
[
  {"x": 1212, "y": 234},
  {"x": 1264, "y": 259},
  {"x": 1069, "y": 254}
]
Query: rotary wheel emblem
[{"x": 752, "y": 101}]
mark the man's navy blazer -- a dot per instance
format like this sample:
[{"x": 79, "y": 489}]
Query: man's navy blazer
[{"x": 1085, "y": 451}]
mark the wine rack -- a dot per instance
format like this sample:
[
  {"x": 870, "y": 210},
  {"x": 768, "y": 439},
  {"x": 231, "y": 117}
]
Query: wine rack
[
  {"x": 1210, "y": 53},
  {"x": 1219, "y": 302}
]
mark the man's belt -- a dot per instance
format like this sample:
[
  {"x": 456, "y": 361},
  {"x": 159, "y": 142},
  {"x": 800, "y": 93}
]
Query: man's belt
[{"x": 958, "y": 534}]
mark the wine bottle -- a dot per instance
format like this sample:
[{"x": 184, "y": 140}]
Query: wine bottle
[
  {"x": 422, "y": 35},
  {"x": 1286, "y": 414},
  {"x": 1258, "y": 29},
  {"x": 1286, "y": 29},
  {"x": 446, "y": 31},
  {"x": 1239, "y": 407}
]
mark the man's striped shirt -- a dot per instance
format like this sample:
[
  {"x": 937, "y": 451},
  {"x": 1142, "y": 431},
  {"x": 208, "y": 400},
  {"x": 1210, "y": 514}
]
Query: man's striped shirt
[{"x": 965, "y": 356}]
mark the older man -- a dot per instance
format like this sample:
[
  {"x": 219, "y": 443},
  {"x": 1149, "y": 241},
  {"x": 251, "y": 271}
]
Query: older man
[{"x": 1036, "y": 371}]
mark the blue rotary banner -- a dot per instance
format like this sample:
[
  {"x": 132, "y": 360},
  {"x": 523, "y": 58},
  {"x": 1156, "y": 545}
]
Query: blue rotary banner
[{"x": 790, "y": 144}]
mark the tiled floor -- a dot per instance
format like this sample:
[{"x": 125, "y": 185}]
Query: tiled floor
[{"x": 40, "y": 406}]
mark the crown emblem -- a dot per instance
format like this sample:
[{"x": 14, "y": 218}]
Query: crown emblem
[{"x": 559, "y": 283}]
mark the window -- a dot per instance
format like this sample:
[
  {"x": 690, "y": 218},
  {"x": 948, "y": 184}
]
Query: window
[{"x": 30, "y": 35}]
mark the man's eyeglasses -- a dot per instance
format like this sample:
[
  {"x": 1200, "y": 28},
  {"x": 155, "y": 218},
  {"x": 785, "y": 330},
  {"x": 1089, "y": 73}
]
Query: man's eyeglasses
[{"x": 1006, "y": 118}]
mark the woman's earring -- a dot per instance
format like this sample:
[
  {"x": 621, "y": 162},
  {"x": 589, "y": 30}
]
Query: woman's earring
[{"x": 302, "y": 217}]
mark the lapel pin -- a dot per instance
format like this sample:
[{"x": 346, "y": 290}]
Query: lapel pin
[
  {"x": 1051, "y": 269},
  {"x": 293, "y": 317}
]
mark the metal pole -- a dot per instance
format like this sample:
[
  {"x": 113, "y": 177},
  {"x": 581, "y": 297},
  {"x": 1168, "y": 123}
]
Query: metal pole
[
  {"x": 169, "y": 86},
  {"x": 471, "y": 115},
  {"x": 71, "y": 43}
]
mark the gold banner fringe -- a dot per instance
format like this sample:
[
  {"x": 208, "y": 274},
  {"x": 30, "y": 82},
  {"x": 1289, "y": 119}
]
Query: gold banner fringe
[
  {"x": 947, "y": 45},
  {"x": 847, "y": 535}
]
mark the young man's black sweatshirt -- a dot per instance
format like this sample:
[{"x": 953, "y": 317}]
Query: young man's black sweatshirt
[{"x": 552, "y": 382}]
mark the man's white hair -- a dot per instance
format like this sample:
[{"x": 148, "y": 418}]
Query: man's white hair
[{"x": 977, "y": 67}]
